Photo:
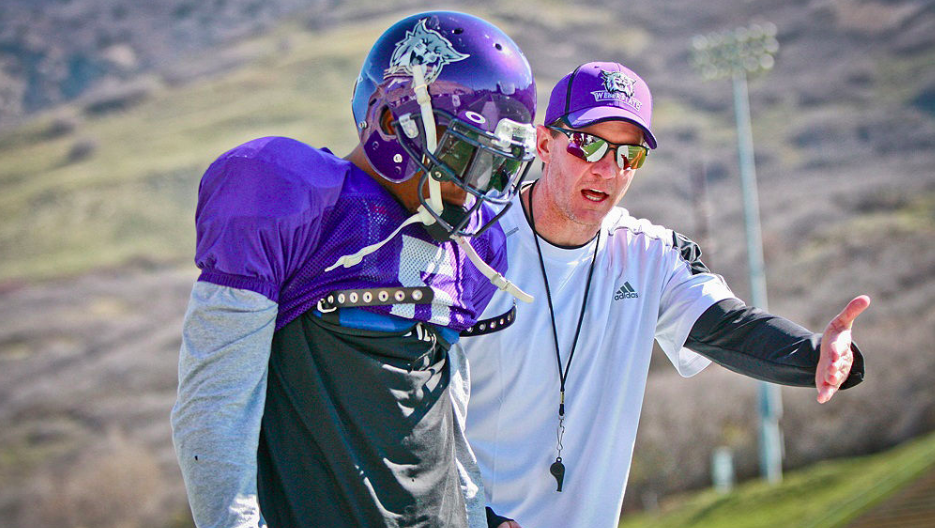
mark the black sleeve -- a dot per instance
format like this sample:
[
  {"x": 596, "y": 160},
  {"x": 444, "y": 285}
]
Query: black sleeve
[
  {"x": 494, "y": 520},
  {"x": 763, "y": 346}
]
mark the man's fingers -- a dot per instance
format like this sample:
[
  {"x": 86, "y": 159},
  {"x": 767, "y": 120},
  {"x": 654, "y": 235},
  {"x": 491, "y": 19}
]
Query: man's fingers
[
  {"x": 841, "y": 362},
  {"x": 841, "y": 367},
  {"x": 825, "y": 393},
  {"x": 836, "y": 377},
  {"x": 833, "y": 371}
]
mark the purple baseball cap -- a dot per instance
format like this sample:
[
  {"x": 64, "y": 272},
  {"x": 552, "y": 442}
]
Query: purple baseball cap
[{"x": 602, "y": 91}]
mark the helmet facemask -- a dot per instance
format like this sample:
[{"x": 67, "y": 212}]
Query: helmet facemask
[{"x": 489, "y": 166}]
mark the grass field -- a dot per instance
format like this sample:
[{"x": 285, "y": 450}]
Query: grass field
[{"x": 826, "y": 495}]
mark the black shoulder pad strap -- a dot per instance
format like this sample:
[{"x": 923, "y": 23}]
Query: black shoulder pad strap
[
  {"x": 494, "y": 520},
  {"x": 493, "y": 324},
  {"x": 690, "y": 252}
]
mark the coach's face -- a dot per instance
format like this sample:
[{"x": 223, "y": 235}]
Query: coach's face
[{"x": 581, "y": 193}]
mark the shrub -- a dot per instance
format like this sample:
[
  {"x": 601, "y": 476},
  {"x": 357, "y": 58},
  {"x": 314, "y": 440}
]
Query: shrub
[
  {"x": 81, "y": 150},
  {"x": 118, "y": 97}
]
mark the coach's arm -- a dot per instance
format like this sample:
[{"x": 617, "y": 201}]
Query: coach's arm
[{"x": 770, "y": 348}]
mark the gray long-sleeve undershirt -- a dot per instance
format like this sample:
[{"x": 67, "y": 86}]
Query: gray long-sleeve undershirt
[{"x": 216, "y": 420}]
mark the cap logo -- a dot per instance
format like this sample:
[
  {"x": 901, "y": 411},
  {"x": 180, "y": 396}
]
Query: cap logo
[
  {"x": 617, "y": 86},
  {"x": 426, "y": 47}
]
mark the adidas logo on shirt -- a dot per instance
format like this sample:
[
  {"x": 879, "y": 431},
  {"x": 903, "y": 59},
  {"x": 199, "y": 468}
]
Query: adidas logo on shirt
[{"x": 626, "y": 292}]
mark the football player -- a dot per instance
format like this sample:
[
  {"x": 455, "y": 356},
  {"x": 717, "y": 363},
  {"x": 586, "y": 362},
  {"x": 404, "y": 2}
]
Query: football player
[{"x": 316, "y": 382}]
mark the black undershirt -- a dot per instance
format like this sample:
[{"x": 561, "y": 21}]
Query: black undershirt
[{"x": 761, "y": 345}]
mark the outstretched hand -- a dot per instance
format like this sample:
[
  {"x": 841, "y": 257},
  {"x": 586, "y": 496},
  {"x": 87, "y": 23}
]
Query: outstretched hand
[{"x": 836, "y": 359}]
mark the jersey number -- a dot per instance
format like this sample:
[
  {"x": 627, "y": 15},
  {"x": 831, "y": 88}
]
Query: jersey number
[{"x": 419, "y": 257}]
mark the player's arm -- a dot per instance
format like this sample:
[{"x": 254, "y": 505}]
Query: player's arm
[
  {"x": 255, "y": 220},
  {"x": 222, "y": 389},
  {"x": 767, "y": 347}
]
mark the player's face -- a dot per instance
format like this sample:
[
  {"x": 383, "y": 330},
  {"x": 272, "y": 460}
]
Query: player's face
[
  {"x": 583, "y": 192},
  {"x": 453, "y": 194}
]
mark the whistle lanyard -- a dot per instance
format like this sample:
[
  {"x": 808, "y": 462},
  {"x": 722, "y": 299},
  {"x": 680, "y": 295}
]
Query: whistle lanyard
[{"x": 557, "y": 469}]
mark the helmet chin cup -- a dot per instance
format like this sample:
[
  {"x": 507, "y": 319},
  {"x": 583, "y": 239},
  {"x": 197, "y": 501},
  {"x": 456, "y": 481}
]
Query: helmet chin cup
[
  {"x": 452, "y": 216},
  {"x": 459, "y": 220}
]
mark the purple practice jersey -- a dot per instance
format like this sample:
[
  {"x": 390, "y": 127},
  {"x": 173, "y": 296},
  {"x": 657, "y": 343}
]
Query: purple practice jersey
[{"x": 274, "y": 213}]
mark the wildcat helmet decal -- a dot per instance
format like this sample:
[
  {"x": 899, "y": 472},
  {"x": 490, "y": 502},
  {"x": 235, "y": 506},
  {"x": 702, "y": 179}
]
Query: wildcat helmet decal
[{"x": 426, "y": 47}]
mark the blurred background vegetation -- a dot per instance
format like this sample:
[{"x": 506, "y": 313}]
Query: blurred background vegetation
[{"x": 110, "y": 110}]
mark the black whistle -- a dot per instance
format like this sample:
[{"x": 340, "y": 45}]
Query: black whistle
[{"x": 557, "y": 469}]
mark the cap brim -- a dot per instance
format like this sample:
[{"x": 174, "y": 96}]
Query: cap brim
[{"x": 590, "y": 116}]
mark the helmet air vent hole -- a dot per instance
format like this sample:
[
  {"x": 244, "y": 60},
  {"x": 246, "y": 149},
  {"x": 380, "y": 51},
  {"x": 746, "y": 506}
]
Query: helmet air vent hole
[{"x": 498, "y": 46}]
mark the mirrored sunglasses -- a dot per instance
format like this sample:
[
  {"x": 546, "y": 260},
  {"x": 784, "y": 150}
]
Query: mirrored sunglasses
[{"x": 593, "y": 148}]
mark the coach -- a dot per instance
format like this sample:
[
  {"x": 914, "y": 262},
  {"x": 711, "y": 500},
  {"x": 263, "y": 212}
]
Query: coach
[{"x": 556, "y": 397}]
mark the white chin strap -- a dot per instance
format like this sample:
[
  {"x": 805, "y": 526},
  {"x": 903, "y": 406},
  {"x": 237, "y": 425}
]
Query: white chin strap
[
  {"x": 422, "y": 215},
  {"x": 428, "y": 123},
  {"x": 496, "y": 279}
]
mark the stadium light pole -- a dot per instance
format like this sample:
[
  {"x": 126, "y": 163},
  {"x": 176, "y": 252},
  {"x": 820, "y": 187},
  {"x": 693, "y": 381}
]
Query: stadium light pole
[{"x": 735, "y": 54}]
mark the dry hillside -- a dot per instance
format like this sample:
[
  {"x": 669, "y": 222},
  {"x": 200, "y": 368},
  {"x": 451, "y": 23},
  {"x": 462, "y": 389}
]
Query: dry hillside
[{"x": 845, "y": 145}]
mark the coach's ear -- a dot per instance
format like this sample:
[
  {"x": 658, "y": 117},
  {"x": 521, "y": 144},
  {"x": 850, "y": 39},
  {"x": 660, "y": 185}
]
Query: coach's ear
[{"x": 544, "y": 139}]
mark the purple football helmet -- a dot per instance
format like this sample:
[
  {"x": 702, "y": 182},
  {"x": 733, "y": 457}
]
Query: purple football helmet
[{"x": 483, "y": 99}]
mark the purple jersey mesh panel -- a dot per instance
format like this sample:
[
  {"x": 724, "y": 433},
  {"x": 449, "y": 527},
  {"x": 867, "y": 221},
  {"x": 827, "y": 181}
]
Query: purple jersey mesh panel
[{"x": 273, "y": 224}]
